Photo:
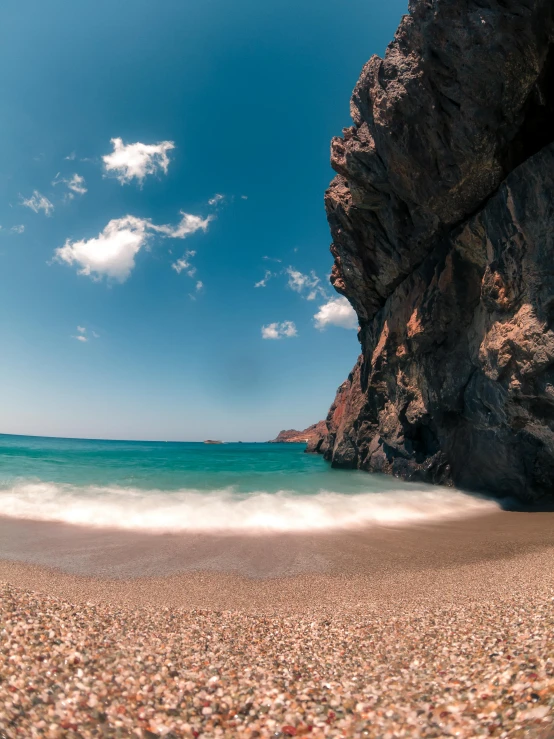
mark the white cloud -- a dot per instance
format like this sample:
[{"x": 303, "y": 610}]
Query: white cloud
[
  {"x": 17, "y": 229},
  {"x": 71, "y": 157},
  {"x": 180, "y": 265},
  {"x": 198, "y": 288},
  {"x": 184, "y": 263},
  {"x": 188, "y": 225},
  {"x": 81, "y": 334},
  {"x": 128, "y": 161},
  {"x": 217, "y": 198},
  {"x": 244, "y": 197},
  {"x": 337, "y": 312},
  {"x": 38, "y": 202},
  {"x": 284, "y": 330},
  {"x": 306, "y": 285},
  {"x": 112, "y": 253},
  {"x": 262, "y": 283},
  {"x": 76, "y": 184}
]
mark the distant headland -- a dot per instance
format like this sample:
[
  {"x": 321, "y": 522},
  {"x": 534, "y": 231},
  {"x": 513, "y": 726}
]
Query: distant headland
[{"x": 312, "y": 433}]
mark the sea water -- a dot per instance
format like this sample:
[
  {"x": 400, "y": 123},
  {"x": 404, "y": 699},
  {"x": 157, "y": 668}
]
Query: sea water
[{"x": 196, "y": 487}]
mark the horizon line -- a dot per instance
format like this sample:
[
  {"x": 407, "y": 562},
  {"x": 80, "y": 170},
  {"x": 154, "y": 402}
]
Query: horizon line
[{"x": 129, "y": 441}]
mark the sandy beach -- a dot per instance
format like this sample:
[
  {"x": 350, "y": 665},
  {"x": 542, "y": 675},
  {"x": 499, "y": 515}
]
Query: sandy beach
[
  {"x": 443, "y": 630},
  {"x": 473, "y": 558}
]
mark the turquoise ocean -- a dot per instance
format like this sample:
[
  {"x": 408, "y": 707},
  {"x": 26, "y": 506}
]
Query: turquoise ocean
[{"x": 179, "y": 487}]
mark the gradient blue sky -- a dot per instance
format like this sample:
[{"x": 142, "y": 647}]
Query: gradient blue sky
[{"x": 251, "y": 94}]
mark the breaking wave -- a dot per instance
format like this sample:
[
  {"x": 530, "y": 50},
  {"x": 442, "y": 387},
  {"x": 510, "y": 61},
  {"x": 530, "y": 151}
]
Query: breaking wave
[{"x": 229, "y": 511}]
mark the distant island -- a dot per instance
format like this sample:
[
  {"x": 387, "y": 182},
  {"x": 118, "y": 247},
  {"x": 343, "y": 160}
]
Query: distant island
[
  {"x": 212, "y": 441},
  {"x": 292, "y": 436}
]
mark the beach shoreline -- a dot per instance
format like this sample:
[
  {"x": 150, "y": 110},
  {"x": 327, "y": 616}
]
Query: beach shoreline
[
  {"x": 431, "y": 631},
  {"x": 491, "y": 556}
]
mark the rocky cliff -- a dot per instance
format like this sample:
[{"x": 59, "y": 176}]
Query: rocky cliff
[
  {"x": 442, "y": 218},
  {"x": 312, "y": 435}
]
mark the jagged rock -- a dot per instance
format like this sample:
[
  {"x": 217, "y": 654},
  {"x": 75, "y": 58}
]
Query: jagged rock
[{"x": 442, "y": 218}]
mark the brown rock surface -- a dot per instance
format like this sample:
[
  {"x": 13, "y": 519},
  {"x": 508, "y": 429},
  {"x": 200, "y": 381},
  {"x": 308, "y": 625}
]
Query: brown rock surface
[
  {"x": 442, "y": 217},
  {"x": 312, "y": 435}
]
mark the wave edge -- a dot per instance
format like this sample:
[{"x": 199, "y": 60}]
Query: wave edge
[{"x": 226, "y": 510}]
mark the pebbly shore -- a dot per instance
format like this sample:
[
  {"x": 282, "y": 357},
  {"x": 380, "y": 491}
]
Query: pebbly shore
[{"x": 99, "y": 670}]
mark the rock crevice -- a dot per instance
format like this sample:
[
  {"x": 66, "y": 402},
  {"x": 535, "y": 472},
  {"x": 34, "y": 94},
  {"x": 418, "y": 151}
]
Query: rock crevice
[{"x": 442, "y": 217}]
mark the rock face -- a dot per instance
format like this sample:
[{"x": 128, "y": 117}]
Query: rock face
[
  {"x": 313, "y": 435},
  {"x": 442, "y": 217}
]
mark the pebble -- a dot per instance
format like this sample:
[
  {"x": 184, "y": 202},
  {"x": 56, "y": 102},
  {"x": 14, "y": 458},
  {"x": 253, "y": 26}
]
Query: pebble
[{"x": 83, "y": 670}]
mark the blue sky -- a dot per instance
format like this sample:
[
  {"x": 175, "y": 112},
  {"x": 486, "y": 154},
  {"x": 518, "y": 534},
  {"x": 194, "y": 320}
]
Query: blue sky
[{"x": 109, "y": 327}]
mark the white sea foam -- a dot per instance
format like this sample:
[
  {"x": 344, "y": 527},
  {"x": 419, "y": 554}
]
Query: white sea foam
[{"x": 228, "y": 511}]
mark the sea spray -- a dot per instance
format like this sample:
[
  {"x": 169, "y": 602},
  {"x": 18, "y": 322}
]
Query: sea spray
[{"x": 230, "y": 511}]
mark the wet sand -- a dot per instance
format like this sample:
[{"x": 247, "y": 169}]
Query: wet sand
[{"x": 483, "y": 557}]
